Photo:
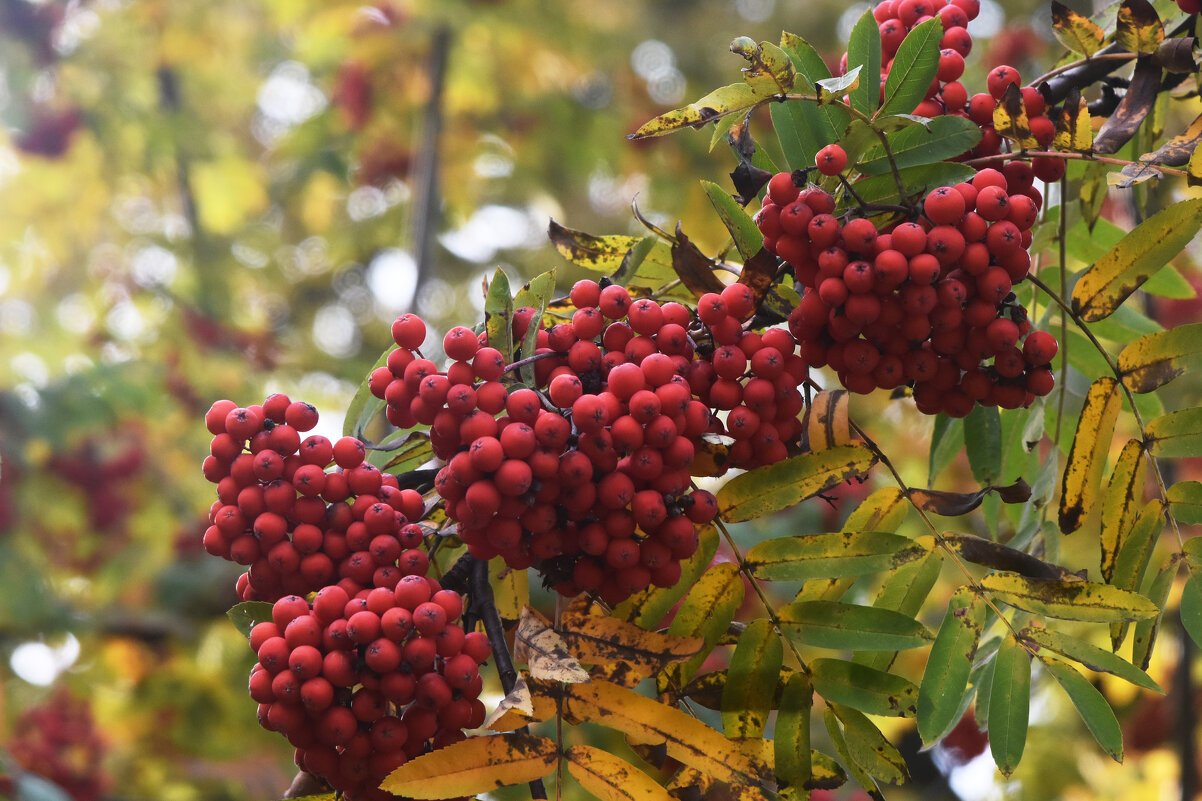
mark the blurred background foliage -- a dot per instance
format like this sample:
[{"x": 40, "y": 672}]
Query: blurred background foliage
[{"x": 225, "y": 199}]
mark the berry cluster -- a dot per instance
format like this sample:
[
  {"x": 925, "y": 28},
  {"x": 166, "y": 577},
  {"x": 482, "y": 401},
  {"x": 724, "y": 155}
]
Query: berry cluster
[
  {"x": 586, "y": 474},
  {"x": 361, "y": 684},
  {"x": 298, "y": 524},
  {"x": 926, "y": 302},
  {"x": 58, "y": 740}
]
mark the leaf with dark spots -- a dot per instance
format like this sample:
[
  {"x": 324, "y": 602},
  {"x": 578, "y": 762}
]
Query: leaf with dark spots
[
  {"x": 1177, "y": 151},
  {"x": 748, "y": 180},
  {"x": 1132, "y": 109},
  {"x": 694, "y": 268},
  {"x": 985, "y": 552},
  {"x": 951, "y": 504},
  {"x": 1076, "y": 32},
  {"x": 1010, "y": 118},
  {"x": 1073, "y": 128},
  {"x": 601, "y": 254},
  {"x": 1139, "y": 28}
]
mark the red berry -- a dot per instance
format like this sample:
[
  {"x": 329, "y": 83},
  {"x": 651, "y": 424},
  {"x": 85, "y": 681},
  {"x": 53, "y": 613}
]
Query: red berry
[{"x": 832, "y": 159}]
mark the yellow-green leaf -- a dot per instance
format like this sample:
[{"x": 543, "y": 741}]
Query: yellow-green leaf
[
  {"x": 1176, "y": 434},
  {"x": 475, "y": 765},
  {"x": 611, "y": 778},
  {"x": 1146, "y": 630},
  {"x": 599, "y": 639},
  {"x": 743, "y": 230},
  {"x": 791, "y": 744},
  {"x": 1071, "y": 600},
  {"x": 1095, "y": 710},
  {"x": 498, "y": 313},
  {"x": 1093, "y": 657},
  {"x": 1185, "y": 498},
  {"x": 872, "y": 691},
  {"x": 841, "y": 626},
  {"x": 510, "y": 588},
  {"x": 883, "y": 510},
  {"x": 945, "y": 679},
  {"x": 1191, "y": 605},
  {"x": 1074, "y": 131},
  {"x": 647, "y": 608},
  {"x": 1009, "y": 704},
  {"x": 1087, "y": 456},
  {"x": 1076, "y": 32},
  {"x": 718, "y": 103},
  {"x": 867, "y": 747},
  {"x": 706, "y": 612},
  {"x": 775, "y": 487},
  {"x": 751, "y": 680},
  {"x": 832, "y": 555},
  {"x": 1120, "y": 502},
  {"x": 769, "y": 70},
  {"x": 1139, "y": 254},
  {"x": 1156, "y": 359}
]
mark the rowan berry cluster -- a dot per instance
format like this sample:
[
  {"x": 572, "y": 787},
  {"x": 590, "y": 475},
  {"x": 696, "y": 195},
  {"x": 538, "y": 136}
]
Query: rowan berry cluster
[
  {"x": 361, "y": 684},
  {"x": 585, "y": 475},
  {"x": 303, "y": 514},
  {"x": 926, "y": 302},
  {"x": 58, "y": 740}
]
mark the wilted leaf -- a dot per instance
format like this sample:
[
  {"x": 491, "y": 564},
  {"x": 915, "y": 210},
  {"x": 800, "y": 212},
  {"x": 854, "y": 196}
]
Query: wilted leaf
[
  {"x": 248, "y": 613},
  {"x": 1093, "y": 657},
  {"x": 1136, "y": 104},
  {"x": 981, "y": 551},
  {"x": 1009, "y": 704},
  {"x": 540, "y": 646},
  {"x": 1176, "y": 434},
  {"x": 1087, "y": 456},
  {"x": 1074, "y": 131},
  {"x": 826, "y": 420},
  {"x": 945, "y": 679},
  {"x": 1010, "y": 119},
  {"x": 728, "y": 99},
  {"x": 1072, "y": 600},
  {"x": 952, "y": 504},
  {"x": 841, "y": 626},
  {"x": 520, "y": 708},
  {"x": 833, "y": 555},
  {"x": 1091, "y": 704},
  {"x": 647, "y": 721},
  {"x": 1154, "y": 360},
  {"x": 599, "y": 638},
  {"x": 872, "y": 691},
  {"x": 1076, "y": 32},
  {"x": 694, "y": 268},
  {"x": 758, "y": 274},
  {"x": 1178, "y": 150},
  {"x": 781, "y": 485},
  {"x": 1120, "y": 502},
  {"x": 751, "y": 680},
  {"x": 1139, "y": 29},
  {"x": 1137, "y": 256},
  {"x": 769, "y": 69},
  {"x": 611, "y": 778},
  {"x": 475, "y": 765}
]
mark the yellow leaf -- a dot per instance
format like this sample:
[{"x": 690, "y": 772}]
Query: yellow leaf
[
  {"x": 610, "y": 778},
  {"x": 1120, "y": 502},
  {"x": 1087, "y": 456},
  {"x": 510, "y": 589},
  {"x": 711, "y": 457},
  {"x": 1139, "y": 28},
  {"x": 599, "y": 639},
  {"x": 229, "y": 191},
  {"x": 1011, "y": 121},
  {"x": 706, "y": 612},
  {"x": 687, "y": 739},
  {"x": 1156, "y": 359},
  {"x": 827, "y": 423},
  {"x": 475, "y": 765},
  {"x": 1070, "y": 600},
  {"x": 1074, "y": 131},
  {"x": 1076, "y": 32},
  {"x": 540, "y": 646}
]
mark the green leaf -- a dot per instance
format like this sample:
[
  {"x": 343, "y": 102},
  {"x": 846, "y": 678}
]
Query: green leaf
[
  {"x": 791, "y": 742},
  {"x": 249, "y": 613},
  {"x": 1146, "y": 630},
  {"x": 1168, "y": 282},
  {"x": 1093, "y": 657},
  {"x": 1176, "y": 434},
  {"x": 982, "y": 682},
  {"x": 1185, "y": 497},
  {"x": 1009, "y": 705},
  {"x": 868, "y": 747},
  {"x": 401, "y": 451},
  {"x": 364, "y": 405},
  {"x": 1191, "y": 605},
  {"x": 835, "y": 731},
  {"x": 904, "y": 590},
  {"x": 778, "y": 486},
  {"x": 1094, "y": 708},
  {"x": 1087, "y": 457},
  {"x": 743, "y": 230},
  {"x": 498, "y": 310},
  {"x": 802, "y": 127},
  {"x": 537, "y": 292},
  {"x": 917, "y": 180},
  {"x": 841, "y": 626},
  {"x": 770, "y": 70},
  {"x": 872, "y": 691},
  {"x": 1154, "y": 360},
  {"x": 983, "y": 441},
  {"x": 864, "y": 51},
  {"x": 833, "y": 555},
  {"x": 751, "y": 681},
  {"x": 1147, "y": 248},
  {"x": 916, "y": 145},
  {"x": 914, "y": 67},
  {"x": 945, "y": 680},
  {"x": 706, "y": 612},
  {"x": 1071, "y": 600},
  {"x": 946, "y": 441},
  {"x": 1120, "y": 502},
  {"x": 728, "y": 99}
]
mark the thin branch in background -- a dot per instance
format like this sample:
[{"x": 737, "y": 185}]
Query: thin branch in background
[{"x": 425, "y": 173}]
